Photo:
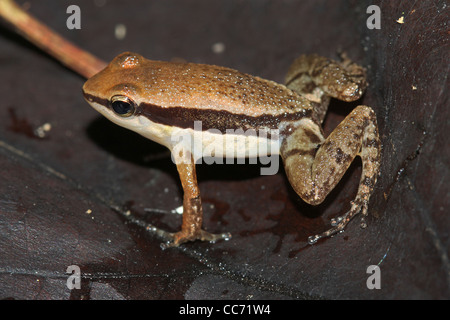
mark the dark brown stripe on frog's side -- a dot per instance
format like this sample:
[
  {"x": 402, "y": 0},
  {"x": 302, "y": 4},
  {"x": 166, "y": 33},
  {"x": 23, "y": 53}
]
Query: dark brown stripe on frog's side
[{"x": 221, "y": 120}]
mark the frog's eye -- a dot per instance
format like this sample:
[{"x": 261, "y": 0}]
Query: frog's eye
[{"x": 123, "y": 106}]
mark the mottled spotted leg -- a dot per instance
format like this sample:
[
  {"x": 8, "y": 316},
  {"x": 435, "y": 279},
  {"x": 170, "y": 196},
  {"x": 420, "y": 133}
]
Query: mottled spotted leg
[
  {"x": 318, "y": 78},
  {"x": 191, "y": 228},
  {"x": 314, "y": 166}
]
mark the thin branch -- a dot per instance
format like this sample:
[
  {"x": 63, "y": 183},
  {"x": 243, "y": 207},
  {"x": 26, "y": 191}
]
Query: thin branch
[{"x": 49, "y": 41}]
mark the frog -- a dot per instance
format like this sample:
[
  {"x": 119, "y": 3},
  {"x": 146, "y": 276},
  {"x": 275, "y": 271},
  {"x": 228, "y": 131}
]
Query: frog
[{"x": 161, "y": 99}]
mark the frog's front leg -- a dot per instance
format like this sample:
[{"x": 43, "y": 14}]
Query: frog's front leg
[
  {"x": 191, "y": 228},
  {"x": 315, "y": 165}
]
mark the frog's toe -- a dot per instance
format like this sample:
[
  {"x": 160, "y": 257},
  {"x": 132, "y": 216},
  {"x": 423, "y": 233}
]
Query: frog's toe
[
  {"x": 339, "y": 223},
  {"x": 183, "y": 237},
  {"x": 335, "y": 229}
]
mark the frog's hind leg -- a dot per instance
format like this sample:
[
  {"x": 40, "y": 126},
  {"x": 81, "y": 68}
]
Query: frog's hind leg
[
  {"x": 315, "y": 165},
  {"x": 318, "y": 78}
]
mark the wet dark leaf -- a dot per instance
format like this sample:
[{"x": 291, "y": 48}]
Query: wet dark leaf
[{"x": 67, "y": 199}]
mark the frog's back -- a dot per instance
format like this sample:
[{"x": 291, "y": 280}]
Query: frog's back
[
  {"x": 191, "y": 90},
  {"x": 208, "y": 86},
  {"x": 172, "y": 84}
]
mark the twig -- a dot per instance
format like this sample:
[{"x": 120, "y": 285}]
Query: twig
[{"x": 46, "y": 39}]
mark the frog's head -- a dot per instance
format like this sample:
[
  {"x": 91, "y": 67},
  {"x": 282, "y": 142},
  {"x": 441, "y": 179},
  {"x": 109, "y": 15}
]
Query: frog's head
[
  {"x": 118, "y": 91},
  {"x": 114, "y": 91}
]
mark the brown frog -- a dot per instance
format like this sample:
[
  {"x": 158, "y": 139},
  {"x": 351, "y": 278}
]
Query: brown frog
[{"x": 163, "y": 100}]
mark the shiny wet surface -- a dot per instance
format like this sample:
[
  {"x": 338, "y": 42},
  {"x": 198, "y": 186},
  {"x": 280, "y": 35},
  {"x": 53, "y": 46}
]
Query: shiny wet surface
[{"x": 66, "y": 198}]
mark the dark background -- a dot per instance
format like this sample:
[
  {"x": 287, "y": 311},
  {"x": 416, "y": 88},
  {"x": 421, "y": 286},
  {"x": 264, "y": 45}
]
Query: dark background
[{"x": 86, "y": 163}]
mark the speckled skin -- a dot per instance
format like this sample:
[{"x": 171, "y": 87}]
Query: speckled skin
[
  {"x": 199, "y": 86},
  {"x": 168, "y": 97}
]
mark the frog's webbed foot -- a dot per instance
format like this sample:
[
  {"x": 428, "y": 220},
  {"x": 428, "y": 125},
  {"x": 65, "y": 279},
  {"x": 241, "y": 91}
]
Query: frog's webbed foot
[
  {"x": 175, "y": 239},
  {"x": 339, "y": 223}
]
